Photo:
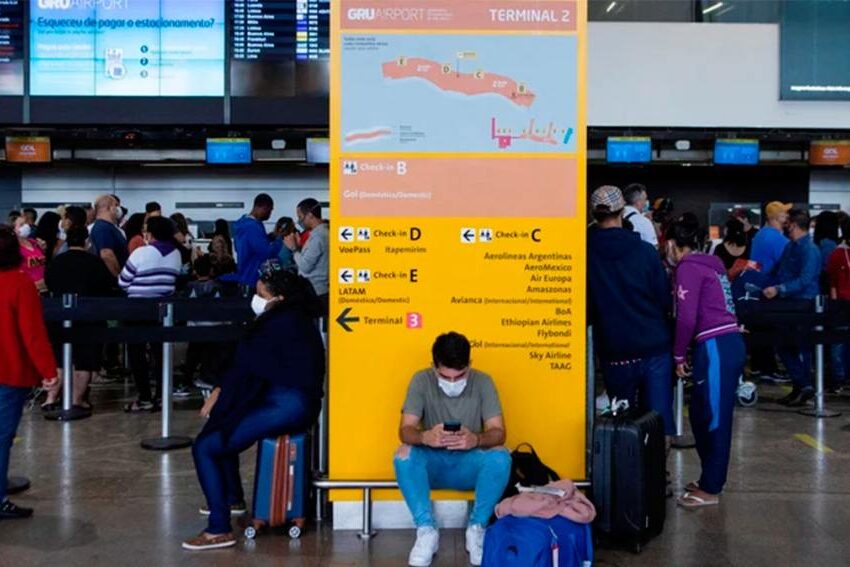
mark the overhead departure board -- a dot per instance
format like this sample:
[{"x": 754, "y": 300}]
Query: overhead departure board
[
  {"x": 11, "y": 47},
  {"x": 280, "y": 48},
  {"x": 138, "y": 48}
]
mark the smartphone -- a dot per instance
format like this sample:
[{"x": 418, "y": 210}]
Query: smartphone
[{"x": 451, "y": 426}]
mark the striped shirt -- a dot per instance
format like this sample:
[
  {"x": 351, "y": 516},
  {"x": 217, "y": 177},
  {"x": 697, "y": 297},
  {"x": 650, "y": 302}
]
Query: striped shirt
[{"x": 151, "y": 271}]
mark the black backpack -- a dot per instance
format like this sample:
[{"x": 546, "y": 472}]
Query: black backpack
[{"x": 528, "y": 470}]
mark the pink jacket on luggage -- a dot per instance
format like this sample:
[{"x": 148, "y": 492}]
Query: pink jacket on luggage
[{"x": 573, "y": 505}]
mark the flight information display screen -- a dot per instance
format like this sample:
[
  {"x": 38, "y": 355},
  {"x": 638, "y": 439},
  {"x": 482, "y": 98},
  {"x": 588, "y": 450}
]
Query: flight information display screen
[
  {"x": 129, "y": 48},
  {"x": 280, "y": 48},
  {"x": 11, "y": 47},
  {"x": 814, "y": 47}
]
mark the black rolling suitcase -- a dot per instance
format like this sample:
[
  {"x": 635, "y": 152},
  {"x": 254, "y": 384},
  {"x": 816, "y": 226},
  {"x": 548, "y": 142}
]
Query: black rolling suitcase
[{"x": 629, "y": 479}]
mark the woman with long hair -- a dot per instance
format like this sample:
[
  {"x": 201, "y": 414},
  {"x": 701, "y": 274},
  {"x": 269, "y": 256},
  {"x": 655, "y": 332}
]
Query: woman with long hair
[
  {"x": 734, "y": 251},
  {"x": 134, "y": 230},
  {"x": 274, "y": 387},
  {"x": 47, "y": 234},
  {"x": 706, "y": 320}
]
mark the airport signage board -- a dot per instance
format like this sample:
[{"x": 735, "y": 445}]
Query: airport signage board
[
  {"x": 458, "y": 196},
  {"x": 830, "y": 152},
  {"x": 28, "y": 150}
]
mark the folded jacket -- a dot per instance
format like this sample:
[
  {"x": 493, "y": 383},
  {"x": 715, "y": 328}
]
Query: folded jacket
[{"x": 573, "y": 505}]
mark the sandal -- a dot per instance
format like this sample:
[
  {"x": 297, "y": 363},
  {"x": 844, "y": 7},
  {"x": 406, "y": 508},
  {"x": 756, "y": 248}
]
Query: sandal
[{"x": 692, "y": 501}]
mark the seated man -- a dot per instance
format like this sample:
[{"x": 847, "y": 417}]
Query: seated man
[{"x": 452, "y": 432}]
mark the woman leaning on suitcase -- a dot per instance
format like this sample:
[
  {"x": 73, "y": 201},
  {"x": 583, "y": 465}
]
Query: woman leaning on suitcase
[
  {"x": 273, "y": 388},
  {"x": 705, "y": 317}
]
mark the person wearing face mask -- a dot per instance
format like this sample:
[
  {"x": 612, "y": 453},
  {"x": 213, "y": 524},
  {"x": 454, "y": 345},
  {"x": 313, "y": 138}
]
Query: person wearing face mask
[
  {"x": 274, "y": 387},
  {"x": 313, "y": 258},
  {"x": 252, "y": 244},
  {"x": 452, "y": 431},
  {"x": 107, "y": 240},
  {"x": 797, "y": 276},
  {"x": 705, "y": 318},
  {"x": 637, "y": 205},
  {"x": 33, "y": 259}
]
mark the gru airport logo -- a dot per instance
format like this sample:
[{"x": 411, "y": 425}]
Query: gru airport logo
[
  {"x": 91, "y": 4},
  {"x": 360, "y": 14}
]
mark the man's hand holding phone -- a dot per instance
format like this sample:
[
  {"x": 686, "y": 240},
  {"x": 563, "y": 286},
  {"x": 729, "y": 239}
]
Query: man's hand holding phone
[
  {"x": 463, "y": 440},
  {"x": 434, "y": 437}
]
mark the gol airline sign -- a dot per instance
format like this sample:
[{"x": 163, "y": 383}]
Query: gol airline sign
[
  {"x": 28, "y": 150},
  {"x": 830, "y": 152}
]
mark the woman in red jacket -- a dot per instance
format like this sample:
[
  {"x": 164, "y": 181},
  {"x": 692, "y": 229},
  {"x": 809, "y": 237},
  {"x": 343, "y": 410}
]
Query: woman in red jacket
[{"x": 26, "y": 357}]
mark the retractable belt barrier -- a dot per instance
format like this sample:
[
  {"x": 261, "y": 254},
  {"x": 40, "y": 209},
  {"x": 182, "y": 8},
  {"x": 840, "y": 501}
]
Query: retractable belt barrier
[
  {"x": 161, "y": 320},
  {"x": 799, "y": 323}
]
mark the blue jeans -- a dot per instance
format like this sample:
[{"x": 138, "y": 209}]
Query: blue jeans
[
  {"x": 484, "y": 470},
  {"x": 798, "y": 362},
  {"x": 840, "y": 362},
  {"x": 718, "y": 364},
  {"x": 12, "y": 402},
  {"x": 284, "y": 410},
  {"x": 646, "y": 383}
]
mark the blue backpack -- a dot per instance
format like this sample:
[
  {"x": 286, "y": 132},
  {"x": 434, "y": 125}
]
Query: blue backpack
[{"x": 535, "y": 542}]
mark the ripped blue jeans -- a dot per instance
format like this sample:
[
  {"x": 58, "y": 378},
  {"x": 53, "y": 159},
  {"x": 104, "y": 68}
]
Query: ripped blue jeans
[{"x": 486, "y": 471}]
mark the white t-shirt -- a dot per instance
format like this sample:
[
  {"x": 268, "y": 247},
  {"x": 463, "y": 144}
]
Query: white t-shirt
[{"x": 641, "y": 224}]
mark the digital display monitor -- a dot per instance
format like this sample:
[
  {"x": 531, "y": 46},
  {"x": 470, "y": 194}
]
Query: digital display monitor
[
  {"x": 11, "y": 47},
  {"x": 736, "y": 152},
  {"x": 129, "y": 48},
  {"x": 814, "y": 44},
  {"x": 229, "y": 150},
  {"x": 318, "y": 150},
  {"x": 280, "y": 48},
  {"x": 629, "y": 150},
  {"x": 28, "y": 150}
]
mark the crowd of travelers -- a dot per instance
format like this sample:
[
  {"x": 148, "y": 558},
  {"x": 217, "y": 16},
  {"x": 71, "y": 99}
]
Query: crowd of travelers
[
  {"x": 661, "y": 298},
  {"x": 104, "y": 251},
  {"x": 662, "y": 301}
]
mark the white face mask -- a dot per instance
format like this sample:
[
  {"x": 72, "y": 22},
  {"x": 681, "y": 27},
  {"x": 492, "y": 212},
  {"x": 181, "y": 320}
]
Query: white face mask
[
  {"x": 258, "y": 305},
  {"x": 24, "y": 231},
  {"x": 452, "y": 389}
]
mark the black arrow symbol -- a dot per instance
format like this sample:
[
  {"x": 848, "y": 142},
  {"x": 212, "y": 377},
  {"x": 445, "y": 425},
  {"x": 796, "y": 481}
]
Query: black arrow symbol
[
  {"x": 346, "y": 276},
  {"x": 346, "y": 234},
  {"x": 469, "y": 235},
  {"x": 344, "y": 320}
]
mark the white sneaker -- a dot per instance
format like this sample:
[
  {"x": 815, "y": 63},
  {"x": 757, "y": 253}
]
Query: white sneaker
[
  {"x": 427, "y": 543},
  {"x": 475, "y": 543}
]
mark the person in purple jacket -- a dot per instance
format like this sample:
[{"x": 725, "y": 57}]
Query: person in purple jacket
[{"x": 705, "y": 316}]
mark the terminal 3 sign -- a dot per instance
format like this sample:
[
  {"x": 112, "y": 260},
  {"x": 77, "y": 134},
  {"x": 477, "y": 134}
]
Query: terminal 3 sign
[{"x": 458, "y": 204}]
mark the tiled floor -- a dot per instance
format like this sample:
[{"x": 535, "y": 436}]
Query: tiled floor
[{"x": 101, "y": 500}]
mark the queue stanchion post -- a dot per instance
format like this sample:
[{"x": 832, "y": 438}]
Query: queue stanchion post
[
  {"x": 682, "y": 440},
  {"x": 322, "y": 432},
  {"x": 819, "y": 409},
  {"x": 69, "y": 411},
  {"x": 166, "y": 441}
]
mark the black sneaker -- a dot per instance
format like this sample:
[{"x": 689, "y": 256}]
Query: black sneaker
[
  {"x": 806, "y": 395},
  {"x": 182, "y": 392},
  {"x": 9, "y": 511},
  {"x": 792, "y": 397}
]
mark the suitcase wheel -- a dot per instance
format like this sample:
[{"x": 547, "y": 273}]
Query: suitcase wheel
[
  {"x": 294, "y": 532},
  {"x": 250, "y": 532},
  {"x": 748, "y": 394}
]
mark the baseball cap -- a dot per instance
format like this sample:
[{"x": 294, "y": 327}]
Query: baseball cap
[
  {"x": 608, "y": 198},
  {"x": 775, "y": 207}
]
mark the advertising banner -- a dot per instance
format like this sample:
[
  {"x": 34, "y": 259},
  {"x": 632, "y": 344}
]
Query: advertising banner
[{"x": 458, "y": 204}]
